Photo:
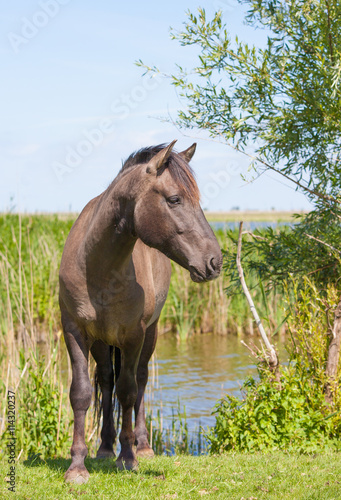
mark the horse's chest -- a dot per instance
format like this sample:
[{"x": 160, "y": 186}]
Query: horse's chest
[
  {"x": 155, "y": 311},
  {"x": 117, "y": 320},
  {"x": 115, "y": 316},
  {"x": 120, "y": 309}
]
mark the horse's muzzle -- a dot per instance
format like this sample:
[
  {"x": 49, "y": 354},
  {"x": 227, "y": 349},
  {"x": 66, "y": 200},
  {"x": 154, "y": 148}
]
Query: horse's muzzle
[{"x": 211, "y": 272}]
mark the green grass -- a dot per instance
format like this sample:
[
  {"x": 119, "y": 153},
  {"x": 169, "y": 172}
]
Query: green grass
[{"x": 232, "y": 476}]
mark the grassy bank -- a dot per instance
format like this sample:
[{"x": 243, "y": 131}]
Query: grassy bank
[{"x": 233, "y": 476}]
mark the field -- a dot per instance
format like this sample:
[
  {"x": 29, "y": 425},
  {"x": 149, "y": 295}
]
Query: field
[
  {"x": 235, "y": 477},
  {"x": 251, "y": 216}
]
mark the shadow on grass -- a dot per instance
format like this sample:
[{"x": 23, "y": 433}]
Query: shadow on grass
[{"x": 104, "y": 465}]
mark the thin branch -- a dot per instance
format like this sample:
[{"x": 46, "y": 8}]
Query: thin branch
[
  {"x": 323, "y": 243},
  {"x": 330, "y": 38},
  {"x": 255, "y": 351},
  {"x": 274, "y": 169},
  {"x": 271, "y": 354},
  {"x": 320, "y": 269},
  {"x": 256, "y": 236}
]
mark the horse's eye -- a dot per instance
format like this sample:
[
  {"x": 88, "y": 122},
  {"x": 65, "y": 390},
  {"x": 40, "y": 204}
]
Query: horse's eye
[{"x": 173, "y": 200}]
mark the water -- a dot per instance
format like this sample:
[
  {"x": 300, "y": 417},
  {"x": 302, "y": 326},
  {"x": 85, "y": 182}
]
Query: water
[
  {"x": 197, "y": 373},
  {"x": 248, "y": 226}
]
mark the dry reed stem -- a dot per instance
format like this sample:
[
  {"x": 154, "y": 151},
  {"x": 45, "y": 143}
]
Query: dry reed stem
[
  {"x": 60, "y": 409},
  {"x": 21, "y": 376},
  {"x": 5, "y": 408}
]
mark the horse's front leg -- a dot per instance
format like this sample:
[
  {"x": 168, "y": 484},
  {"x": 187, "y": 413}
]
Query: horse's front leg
[
  {"x": 102, "y": 355},
  {"x": 143, "y": 448},
  {"x": 127, "y": 393},
  {"x": 80, "y": 397}
]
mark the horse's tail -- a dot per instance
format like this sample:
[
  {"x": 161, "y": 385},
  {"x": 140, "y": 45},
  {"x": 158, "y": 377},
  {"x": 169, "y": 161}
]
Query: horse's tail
[
  {"x": 98, "y": 399},
  {"x": 115, "y": 358}
]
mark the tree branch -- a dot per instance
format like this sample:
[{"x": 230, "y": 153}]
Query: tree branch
[
  {"x": 333, "y": 357},
  {"x": 271, "y": 355},
  {"x": 330, "y": 38},
  {"x": 323, "y": 243}
]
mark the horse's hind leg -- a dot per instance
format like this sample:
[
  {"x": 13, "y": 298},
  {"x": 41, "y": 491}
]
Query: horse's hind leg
[
  {"x": 102, "y": 355},
  {"x": 126, "y": 388},
  {"x": 143, "y": 448},
  {"x": 80, "y": 397}
]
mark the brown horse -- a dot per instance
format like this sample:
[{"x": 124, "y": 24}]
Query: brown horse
[{"x": 114, "y": 279}]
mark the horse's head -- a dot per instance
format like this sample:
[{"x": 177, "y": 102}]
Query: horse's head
[{"x": 168, "y": 215}]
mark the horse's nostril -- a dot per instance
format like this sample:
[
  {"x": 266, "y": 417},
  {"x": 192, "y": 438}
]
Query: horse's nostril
[{"x": 211, "y": 267}]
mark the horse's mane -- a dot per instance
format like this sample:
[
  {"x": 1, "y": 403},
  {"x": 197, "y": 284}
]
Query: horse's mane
[{"x": 178, "y": 168}]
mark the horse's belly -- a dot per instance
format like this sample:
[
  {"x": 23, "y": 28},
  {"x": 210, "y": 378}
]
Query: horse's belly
[
  {"x": 117, "y": 317},
  {"x": 112, "y": 331},
  {"x": 99, "y": 330}
]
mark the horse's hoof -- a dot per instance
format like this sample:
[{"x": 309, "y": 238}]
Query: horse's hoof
[
  {"x": 127, "y": 464},
  {"x": 76, "y": 476},
  {"x": 145, "y": 452},
  {"x": 105, "y": 454}
]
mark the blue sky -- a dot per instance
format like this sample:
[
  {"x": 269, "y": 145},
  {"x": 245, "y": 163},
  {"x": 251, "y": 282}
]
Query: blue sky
[{"x": 74, "y": 104}]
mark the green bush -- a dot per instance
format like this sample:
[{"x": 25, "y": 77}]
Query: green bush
[
  {"x": 42, "y": 426},
  {"x": 294, "y": 415}
]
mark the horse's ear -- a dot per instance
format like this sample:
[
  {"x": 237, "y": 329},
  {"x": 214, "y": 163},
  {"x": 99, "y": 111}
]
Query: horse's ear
[
  {"x": 159, "y": 159},
  {"x": 188, "y": 153}
]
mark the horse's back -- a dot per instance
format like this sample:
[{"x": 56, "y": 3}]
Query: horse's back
[
  {"x": 72, "y": 282},
  {"x": 75, "y": 238}
]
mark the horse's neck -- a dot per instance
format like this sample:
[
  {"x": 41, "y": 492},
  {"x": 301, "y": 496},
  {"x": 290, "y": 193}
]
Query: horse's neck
[{"x": 109, "y": 241}]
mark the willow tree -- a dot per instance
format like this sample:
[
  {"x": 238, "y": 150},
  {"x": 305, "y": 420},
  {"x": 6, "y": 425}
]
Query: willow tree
[
  {"x": 281, "y": 100},
  {"x": 281, "y": 105}
]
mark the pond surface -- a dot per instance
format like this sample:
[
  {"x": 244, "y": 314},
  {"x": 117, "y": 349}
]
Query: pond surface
[
  {"x": 248, "y": 226},
  {"x": 193, "y": 375},
  {"x": 197, "y": 373}
]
